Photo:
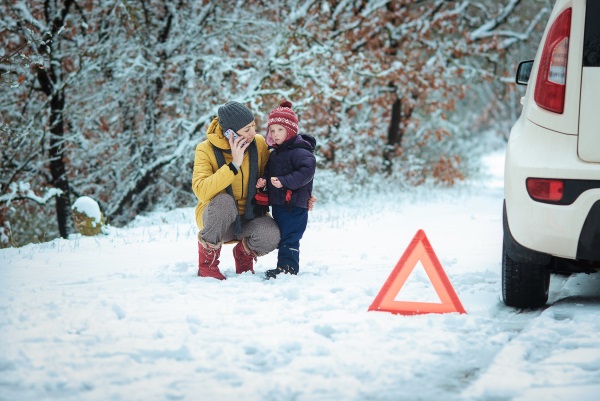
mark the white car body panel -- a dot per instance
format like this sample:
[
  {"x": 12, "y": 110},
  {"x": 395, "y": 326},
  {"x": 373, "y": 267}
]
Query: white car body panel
[
  {"x": 589, "y": 117},
  {"x": 552, "y": 229},
  {"x": 543, "y": 144}
]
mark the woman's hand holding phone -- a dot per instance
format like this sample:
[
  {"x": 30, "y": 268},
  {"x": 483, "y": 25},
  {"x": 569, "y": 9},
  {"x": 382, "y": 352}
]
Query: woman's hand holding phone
[{"x": 238, "y": 147}]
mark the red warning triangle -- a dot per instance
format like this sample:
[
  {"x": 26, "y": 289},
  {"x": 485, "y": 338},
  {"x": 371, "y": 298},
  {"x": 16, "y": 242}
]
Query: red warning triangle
[{"x": 419, "y": 249}]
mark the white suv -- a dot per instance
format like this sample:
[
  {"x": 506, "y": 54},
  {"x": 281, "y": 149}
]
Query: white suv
[{"x": 552, "y": 165}]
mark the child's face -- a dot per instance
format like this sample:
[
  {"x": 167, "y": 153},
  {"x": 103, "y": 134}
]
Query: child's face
[{"x": 278, "y": 133}]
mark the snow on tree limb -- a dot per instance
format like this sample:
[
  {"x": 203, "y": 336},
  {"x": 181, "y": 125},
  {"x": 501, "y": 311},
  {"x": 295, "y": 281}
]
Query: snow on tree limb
[
  {"x": 489, "y": 28},
  {"x": 22, "y": 190}
]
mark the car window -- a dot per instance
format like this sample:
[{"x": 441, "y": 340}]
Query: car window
[{"x": 591, "y": 42}]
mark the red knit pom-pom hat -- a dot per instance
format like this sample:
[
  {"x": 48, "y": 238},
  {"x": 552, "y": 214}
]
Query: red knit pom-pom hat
[{"x": 285, "y": 116}]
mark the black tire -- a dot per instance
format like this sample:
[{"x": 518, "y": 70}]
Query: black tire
[{"x": 524, "y": 285}]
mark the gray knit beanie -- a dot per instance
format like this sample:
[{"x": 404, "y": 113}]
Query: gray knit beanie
[{"x": 234, "y": 115}]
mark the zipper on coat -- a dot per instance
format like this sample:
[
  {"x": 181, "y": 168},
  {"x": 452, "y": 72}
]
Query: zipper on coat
[{"x": 242, "y": 171}]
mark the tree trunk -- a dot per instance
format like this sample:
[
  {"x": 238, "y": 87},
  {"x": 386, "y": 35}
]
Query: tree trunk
[
  {"x": 394, "y": 132},
  {"x": 51, "y": 85},
  {"x": 394, "y": 135},
  {"x": 58, "y": 169}
]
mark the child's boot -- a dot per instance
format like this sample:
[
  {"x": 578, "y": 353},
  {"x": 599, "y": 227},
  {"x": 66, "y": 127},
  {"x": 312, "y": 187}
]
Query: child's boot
[
  {"x": 244, "y": 258},
  {"x": 281, "y": 269},
  {"x": 208, "y": 260}
]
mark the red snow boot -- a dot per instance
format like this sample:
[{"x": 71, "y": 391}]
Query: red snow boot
[
  {"x": 208, "y": 261},
  {"x": 244, "y": 258}
]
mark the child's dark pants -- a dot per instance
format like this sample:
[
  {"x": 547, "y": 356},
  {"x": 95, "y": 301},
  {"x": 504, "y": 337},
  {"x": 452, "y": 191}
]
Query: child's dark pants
[{"x": 292, "y": 223}]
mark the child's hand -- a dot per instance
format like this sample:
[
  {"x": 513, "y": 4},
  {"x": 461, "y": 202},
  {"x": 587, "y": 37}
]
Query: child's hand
[
  {"x": 275, "y": 182},
  {"x": 311, "y": 202},
  {"x": 261, "y": 183}
]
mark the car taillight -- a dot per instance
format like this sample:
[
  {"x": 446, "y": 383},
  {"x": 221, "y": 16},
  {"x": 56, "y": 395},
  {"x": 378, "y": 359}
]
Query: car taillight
[
  {"x": 552, "y": 73},
  {"x": 544, "y": 189}
]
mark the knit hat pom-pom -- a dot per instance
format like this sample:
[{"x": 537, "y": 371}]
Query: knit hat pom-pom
[{"x": 286, "y": 103}]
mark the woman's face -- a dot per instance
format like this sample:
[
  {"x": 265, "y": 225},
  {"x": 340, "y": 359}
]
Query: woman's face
[
  {"x": 248, "y": 132},
  {"x": 278, "y": 133}
]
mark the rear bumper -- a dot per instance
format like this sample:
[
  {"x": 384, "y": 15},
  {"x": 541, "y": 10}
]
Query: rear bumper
[
  {"x": 567, "y": 231},
  {"x": 518, "y": 252}
]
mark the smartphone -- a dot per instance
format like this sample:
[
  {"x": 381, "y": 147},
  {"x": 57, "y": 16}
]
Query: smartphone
[{"x": 229, "y": 132}]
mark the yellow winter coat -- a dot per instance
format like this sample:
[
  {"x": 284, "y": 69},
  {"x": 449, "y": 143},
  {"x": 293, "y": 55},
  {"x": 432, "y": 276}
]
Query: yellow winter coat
[{"x": 208, "y": 180}]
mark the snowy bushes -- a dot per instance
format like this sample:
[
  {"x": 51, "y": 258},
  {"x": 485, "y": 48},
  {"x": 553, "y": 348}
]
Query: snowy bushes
[{"x": 118, "y": 94}]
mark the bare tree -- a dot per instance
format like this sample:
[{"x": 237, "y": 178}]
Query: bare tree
[{"x": 46, "y": 21}]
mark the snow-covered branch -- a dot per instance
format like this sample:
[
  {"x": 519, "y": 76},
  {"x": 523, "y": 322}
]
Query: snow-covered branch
[
  {"x": 22, "y": 190},
  {"x": 488, "y": 27}
]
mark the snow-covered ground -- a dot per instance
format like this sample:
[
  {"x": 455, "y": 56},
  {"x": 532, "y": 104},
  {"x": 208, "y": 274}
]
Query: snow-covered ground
[{"x": 124, "y": 317}]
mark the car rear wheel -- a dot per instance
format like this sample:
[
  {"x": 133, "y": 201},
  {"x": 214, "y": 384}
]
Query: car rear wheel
[{"x": 524, "y": 285}]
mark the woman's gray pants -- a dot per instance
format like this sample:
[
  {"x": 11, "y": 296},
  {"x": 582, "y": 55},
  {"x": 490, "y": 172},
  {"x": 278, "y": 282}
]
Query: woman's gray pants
[{"x": 261, "y": 234}]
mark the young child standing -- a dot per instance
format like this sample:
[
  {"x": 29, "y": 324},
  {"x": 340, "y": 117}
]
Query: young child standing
[{"x": 289, "y": 177}]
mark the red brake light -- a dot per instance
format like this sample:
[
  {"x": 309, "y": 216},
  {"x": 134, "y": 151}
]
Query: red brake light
[
  {"x": 545, "y": 190},
  {"x": 552, "y": 74}
]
